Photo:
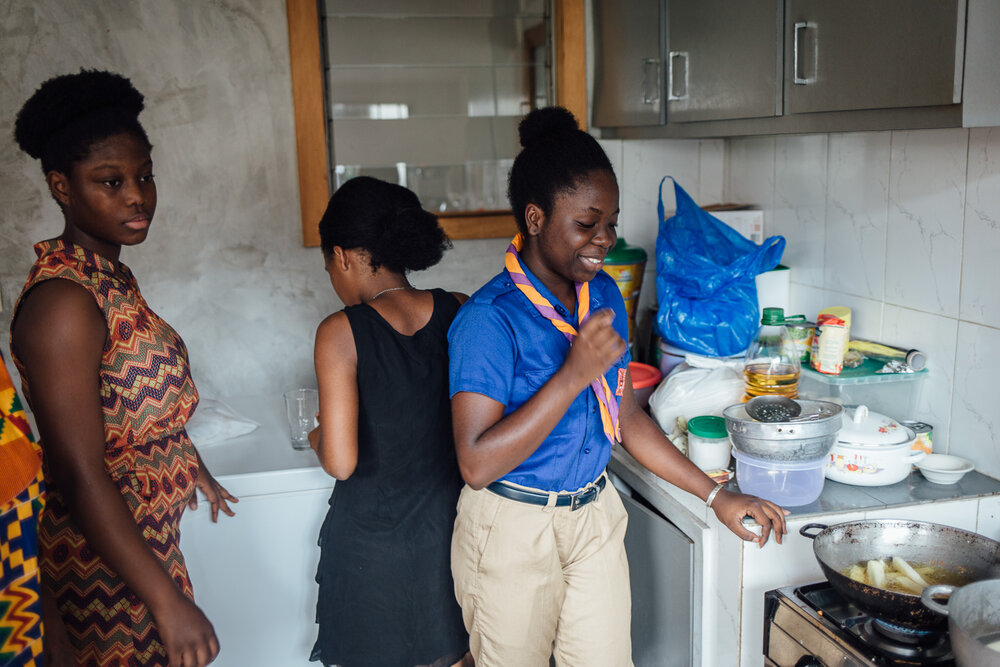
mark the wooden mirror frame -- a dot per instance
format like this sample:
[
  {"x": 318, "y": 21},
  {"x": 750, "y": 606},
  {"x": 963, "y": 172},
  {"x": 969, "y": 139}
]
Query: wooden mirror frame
[{"x": 310, "y": 117}]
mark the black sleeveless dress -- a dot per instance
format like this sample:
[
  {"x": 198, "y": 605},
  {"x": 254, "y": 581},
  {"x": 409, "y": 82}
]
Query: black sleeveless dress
[{"x": 386, "y": 595}]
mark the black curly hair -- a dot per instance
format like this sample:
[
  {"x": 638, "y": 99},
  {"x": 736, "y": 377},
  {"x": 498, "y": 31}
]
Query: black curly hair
[
  {"x": 387, "y": 221},
  {"x": 555, "y": 155},
  {"x": 68, "y": 114}
]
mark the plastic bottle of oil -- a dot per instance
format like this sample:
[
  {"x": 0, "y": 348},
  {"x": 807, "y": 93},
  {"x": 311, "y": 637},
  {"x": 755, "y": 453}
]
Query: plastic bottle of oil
[{"x": 771, "y": 365}]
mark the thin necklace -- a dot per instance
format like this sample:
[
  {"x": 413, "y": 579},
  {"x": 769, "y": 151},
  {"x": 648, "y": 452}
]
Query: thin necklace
[{"x": 388, "y": 289}]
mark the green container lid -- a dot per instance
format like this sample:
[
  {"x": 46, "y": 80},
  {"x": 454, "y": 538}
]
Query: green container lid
[
  {"x": 623, "y": 253},
  {"x": 708, "y": 426}
]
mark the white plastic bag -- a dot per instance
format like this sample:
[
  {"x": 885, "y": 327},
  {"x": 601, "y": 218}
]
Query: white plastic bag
[{"x": 706, "y": 387}]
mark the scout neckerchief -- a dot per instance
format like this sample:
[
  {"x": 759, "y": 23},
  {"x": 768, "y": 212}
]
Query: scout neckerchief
[{"x": 512, "y": 260}]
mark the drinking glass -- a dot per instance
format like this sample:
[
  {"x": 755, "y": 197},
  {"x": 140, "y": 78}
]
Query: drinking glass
[{"x": 301, "y": 406}]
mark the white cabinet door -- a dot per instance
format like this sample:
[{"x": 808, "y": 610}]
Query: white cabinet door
[{"x": 254, "y": 576}]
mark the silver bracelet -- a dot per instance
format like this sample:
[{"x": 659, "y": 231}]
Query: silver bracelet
[{"x": 713, "y": 494}]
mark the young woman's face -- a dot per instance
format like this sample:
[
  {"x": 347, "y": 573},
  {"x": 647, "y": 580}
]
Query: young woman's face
[
  {"x": 574, "y": 240},
  {"x": 109, "y": 197}
]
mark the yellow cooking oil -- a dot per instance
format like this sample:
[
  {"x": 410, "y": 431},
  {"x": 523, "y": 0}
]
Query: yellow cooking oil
[{"x": 764, "y": 379}]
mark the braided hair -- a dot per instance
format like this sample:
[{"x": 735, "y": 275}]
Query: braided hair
[
  {"x": 68, "y": 114},
  {"x": 556, "y": 154},
  {"x": 387, "y": 221}
]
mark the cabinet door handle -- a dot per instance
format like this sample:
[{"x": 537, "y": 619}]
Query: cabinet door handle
[
  {"x": 650, "y": 80},
  {"x": 798, "y": 49},
  {"x": 674, "y": 79}
]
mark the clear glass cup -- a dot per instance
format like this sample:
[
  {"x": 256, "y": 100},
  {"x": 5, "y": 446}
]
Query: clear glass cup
[{"x": 301, "y": 406}]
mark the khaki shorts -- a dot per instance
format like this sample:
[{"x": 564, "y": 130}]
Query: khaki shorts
[{"x": 535, "y": 582}]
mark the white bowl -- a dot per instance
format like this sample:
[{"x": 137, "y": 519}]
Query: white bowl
[{"x": 944, "y": 468}]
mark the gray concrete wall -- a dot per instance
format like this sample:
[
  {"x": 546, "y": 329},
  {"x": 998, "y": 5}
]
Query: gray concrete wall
[{"x": 224, "y": 261}]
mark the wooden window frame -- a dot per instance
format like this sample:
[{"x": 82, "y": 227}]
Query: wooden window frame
[{"x": 310, "y": 113}]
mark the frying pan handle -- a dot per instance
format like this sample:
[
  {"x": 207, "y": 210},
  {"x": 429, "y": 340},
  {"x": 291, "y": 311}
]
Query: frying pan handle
[
  {"x": 804, "y": 530},
  {"x": 927, "y": 597}
]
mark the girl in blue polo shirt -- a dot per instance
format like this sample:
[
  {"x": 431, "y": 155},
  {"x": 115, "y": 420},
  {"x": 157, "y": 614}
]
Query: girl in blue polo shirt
[{"x": 540, "y": 393}]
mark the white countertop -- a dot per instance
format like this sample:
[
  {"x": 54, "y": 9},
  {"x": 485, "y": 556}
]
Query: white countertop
[{"x": 263, "y": 462}]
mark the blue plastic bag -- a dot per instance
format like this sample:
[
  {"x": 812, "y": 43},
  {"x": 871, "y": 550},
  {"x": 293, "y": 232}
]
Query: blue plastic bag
[{"x": 705, "y": 279}]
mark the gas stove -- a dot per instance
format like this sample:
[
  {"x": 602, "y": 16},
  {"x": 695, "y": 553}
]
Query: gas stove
[{"x": 812, "y": 625}]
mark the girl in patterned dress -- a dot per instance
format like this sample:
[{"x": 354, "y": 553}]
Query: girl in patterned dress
[{"x": 111, "y": 390}]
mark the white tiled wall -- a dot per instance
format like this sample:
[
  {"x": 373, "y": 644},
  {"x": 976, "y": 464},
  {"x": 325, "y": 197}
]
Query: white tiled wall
[{"x": 904, "y": 228}]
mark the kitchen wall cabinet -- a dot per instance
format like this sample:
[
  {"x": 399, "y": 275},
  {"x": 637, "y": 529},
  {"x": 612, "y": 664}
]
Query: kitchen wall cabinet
[
  {"x": 857, "y": 54},
  {"x": 724, "y": 59},
  {"x": 628, "y": 77},
  {"x": 791, "y": 66}
]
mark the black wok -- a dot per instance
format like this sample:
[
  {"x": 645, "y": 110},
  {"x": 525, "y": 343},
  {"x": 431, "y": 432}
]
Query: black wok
[{"x": 839, "y": 546}]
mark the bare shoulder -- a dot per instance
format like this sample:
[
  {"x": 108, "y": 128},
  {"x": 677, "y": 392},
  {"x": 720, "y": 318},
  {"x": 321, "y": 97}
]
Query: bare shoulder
[
  {"x": 462, "y": 298},
  {"x": 335, "y": 329},
  {"x": 335, "y": 340},
  {"x": 56, "y": 313}
]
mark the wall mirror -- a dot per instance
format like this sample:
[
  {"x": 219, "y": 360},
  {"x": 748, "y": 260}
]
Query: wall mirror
[{"x": 424, "y": 93}]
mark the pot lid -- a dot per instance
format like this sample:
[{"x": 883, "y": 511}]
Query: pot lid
[{"x": 870, "y": 429}]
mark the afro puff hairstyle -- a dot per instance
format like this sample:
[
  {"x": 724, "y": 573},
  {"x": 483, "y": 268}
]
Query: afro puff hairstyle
[
  {"x": 555, "y": 155},
  {"x": 69, "y": 113},
  {"x": 387, "y": 221}
]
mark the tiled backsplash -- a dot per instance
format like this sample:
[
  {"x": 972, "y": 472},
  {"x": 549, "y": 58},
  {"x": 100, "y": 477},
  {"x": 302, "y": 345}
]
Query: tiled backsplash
[{"x": 904, "y": 228}]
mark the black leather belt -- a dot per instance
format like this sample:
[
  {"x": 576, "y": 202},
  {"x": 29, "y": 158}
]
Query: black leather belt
[{"x": 574, "y": 500}]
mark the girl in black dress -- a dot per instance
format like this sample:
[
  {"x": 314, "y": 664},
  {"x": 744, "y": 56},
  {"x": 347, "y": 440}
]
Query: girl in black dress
[{"x": 386, "y": 595}]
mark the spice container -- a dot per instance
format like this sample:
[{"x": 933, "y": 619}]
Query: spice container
[
  {"x": 833, "y": 331},
  {"x": 708, "y": 442}
]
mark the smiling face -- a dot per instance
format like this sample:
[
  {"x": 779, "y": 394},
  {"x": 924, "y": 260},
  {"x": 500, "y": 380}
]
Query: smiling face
[
  {"x": 108, "y": 198},
  {"x": 570, "y": 245}
]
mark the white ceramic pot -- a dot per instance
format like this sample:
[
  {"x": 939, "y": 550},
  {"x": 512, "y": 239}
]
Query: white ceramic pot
[{"x": 871, "y": 450}]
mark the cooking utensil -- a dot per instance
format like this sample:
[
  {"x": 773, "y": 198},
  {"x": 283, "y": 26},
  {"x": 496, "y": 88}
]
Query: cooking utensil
[
  {"x": 839, "y": 546},
  {"x": 872, "y": 450},
  {"x": 772, "y": 408},
  {"x": 805, "y": 438},
  {"x": 973, "y": 613}
]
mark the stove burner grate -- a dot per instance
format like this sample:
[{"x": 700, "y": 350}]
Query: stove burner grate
[{"x": 898, "y": 644}]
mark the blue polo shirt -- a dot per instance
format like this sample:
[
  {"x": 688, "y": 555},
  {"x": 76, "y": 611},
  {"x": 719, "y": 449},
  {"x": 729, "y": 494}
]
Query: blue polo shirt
[{"x": 501, "y": 346}]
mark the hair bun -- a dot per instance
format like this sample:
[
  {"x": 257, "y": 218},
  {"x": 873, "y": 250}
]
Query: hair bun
[
  {"x": 542, "y": 124},
  {"x": 64, "y": 99}
]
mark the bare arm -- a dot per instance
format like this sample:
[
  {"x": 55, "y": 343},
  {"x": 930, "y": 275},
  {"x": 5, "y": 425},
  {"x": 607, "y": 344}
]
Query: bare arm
[
  {"x": 644, "y": 440},
  {"x": 335, "y": 440},
  {"x": 59, "y": 335},
  {"x": 490, "y": 445}
]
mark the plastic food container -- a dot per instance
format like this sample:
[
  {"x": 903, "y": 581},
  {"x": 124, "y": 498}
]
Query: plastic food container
[
  {"x": 644, "y": 381},
  {"x": 787, "y": 483},
  {"x": 708, "y": 442}
]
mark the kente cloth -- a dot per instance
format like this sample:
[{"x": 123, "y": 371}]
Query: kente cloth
[
  {"x": 608, "y": 402},
  {"x": 147, "y": 395},
  {"x": 22, "y": 497}
]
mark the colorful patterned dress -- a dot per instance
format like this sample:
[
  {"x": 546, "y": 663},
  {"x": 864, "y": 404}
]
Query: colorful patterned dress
[
  {"x": 147, "y": 396},
  {"x": 22, "y": 497}
]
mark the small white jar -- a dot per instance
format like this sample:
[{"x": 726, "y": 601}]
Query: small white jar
[{"x": 708, "y": 442}]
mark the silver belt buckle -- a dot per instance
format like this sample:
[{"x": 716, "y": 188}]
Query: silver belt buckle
[{"x": 577, "y": 499}]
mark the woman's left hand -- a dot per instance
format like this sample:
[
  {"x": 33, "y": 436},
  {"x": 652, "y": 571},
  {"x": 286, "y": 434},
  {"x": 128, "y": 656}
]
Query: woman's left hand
[
  {"x": 732, "y": 507},
  {"x": 214, "y": 492}
]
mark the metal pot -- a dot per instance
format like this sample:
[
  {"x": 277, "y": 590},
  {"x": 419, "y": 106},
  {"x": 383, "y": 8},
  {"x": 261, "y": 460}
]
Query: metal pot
[
  {"x": 836, "y": 547},
  {"x": 805, "y": 438},
  {"x": 973, "y": 613}
]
